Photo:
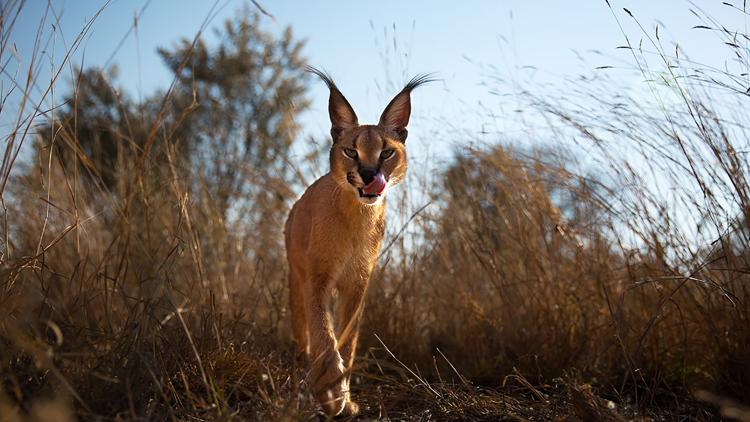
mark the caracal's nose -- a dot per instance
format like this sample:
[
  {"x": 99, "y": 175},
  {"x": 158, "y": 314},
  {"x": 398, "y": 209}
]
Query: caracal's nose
[{"x": 367, "y": 174}]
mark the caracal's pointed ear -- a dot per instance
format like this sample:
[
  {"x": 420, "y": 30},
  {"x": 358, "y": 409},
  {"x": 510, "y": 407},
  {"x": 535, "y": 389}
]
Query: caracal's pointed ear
[
  {"x": 341, "y": 112},
  {"x": 396, "y": 115}
]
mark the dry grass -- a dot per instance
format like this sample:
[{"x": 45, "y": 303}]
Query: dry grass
[{"x": 535, "y": 287}]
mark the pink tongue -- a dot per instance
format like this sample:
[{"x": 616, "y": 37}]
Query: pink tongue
[{"x": 376, "y": 187}]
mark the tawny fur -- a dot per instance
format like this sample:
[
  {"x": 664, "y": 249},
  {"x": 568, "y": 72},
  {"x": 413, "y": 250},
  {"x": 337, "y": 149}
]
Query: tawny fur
[{"x": 333, "y": 237}]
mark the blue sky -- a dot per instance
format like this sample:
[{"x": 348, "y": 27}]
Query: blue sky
[{"x": 370, "y": 47}]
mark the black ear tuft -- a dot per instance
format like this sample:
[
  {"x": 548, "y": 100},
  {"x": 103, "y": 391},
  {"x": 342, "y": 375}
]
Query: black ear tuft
[
  {"x": 340, "y": 111},
  {"x": 396, "y": 114},
  {"x": 419, "y": 80}
]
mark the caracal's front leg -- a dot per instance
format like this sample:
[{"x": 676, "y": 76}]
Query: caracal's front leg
[
  {"x": 349, "y": 309},
  {"x": 326, "y": 365}
]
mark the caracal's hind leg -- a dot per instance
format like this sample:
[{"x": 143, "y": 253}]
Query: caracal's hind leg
[
  {"x": 348, "y": 315},
  {"x": 299, "y": 316}
]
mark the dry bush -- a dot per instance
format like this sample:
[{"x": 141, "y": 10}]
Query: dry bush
[{"x": 527, "y": 269}]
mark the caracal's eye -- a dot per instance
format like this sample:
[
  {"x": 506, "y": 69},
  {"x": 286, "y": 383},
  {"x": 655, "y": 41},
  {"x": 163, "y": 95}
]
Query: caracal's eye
[
  {"x": 386, "y": 154},
  {"x": 351, "y": 153}
]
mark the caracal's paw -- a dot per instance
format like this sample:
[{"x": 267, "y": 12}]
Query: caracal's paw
[
  {"x": 332, "y": 401},
  {"x": 329, "y": 384},
  {"x": 350, "y": 409}
]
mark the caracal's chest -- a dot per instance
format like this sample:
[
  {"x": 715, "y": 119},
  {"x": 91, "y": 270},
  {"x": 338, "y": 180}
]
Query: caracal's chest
[{"x": 359, "y": 242}]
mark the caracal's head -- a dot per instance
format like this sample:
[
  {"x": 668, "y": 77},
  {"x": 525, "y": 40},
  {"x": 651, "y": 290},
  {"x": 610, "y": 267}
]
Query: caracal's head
[{"x": 366, "y": 160}]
